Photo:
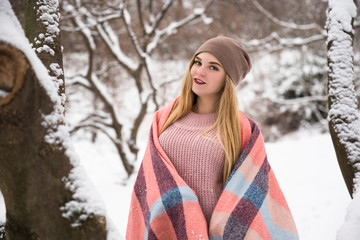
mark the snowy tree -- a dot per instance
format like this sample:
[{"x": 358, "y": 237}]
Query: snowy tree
[
  {"x": 145, "y": 27},
  {"x": 46, "y": 192},
  {"x": 344, "y": 117}
]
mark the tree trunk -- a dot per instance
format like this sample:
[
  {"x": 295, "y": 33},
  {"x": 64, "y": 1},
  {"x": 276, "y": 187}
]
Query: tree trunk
[
  {"x": 42, "y": 28},
  {"x": 344, "y": 119},
  {"x": 32, "y": 170}
]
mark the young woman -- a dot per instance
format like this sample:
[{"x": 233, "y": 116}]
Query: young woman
[{"x": 205, "y": 173}]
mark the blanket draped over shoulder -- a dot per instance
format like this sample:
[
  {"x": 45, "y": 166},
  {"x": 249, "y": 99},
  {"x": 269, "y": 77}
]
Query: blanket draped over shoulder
[{"x": 251, "y": 205}]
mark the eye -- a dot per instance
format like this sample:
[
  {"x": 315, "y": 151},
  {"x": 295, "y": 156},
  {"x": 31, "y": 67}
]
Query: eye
[
  {"x": 197, "y": 62},
  {"x": 214, "y": 68}
]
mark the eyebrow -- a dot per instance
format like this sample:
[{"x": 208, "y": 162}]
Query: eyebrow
[{"x": 214, "y": 63}]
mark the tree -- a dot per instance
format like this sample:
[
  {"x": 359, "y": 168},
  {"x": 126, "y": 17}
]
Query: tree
[
  {"x": 46, "y": 192},
  {"x": 344, "y": 117},
  {"x": 144, "y": 29}
]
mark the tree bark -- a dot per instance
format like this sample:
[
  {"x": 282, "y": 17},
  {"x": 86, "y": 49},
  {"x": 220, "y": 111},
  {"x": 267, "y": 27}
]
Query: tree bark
[
  {"x": 42, "y": 28},
  {"x": 32, "y": 170}
]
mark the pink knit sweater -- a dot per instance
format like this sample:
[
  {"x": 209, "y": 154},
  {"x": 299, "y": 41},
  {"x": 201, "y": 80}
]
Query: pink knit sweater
[{"x": 198, "y": 159}]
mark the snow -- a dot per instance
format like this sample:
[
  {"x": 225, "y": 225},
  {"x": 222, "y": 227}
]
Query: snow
[
  {"x": 127, "y": 16},
  {"x": 4, "y": 94},
  {"x": 350, "y": 229},
  {"x": 49, "y": 15}
]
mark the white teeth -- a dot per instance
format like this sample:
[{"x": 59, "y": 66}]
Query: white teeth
[{"x": 198, "y": 80}]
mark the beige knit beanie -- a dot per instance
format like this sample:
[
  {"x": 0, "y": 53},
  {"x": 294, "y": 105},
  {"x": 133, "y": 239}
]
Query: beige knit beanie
[{"x": 231, "y": 55}]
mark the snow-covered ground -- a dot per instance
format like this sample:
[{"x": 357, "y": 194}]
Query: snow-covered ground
[
  {"x": 307, "y": 170},
  {"x": 304, "y": 163}
]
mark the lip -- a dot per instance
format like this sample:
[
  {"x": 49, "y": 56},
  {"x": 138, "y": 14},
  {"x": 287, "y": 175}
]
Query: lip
[{"x": 198, "y": 81}]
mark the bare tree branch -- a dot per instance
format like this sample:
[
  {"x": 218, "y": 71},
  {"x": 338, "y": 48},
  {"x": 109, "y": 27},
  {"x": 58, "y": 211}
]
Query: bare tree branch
[
  {"x": 274, "y": 42},
  {"x": 298, "y": 100},
  {"x": 140, "y": 16},
  {"x": 286, "y": 24},
  {"x": 160, "y": 16},
  {"x": 111, "y": 41},
  {"x": 174, "y": 26}
]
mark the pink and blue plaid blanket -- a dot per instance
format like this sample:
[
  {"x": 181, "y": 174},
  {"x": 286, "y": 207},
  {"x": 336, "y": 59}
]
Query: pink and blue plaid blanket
[{"x": 251, "y": 206}]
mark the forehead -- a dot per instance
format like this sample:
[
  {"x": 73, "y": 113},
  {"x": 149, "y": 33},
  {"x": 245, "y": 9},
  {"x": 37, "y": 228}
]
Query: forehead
[{"x": 207, "y": 57}]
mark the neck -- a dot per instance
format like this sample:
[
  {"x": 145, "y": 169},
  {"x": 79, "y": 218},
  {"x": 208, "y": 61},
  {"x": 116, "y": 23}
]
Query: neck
[{"x": 205, "y": 105}]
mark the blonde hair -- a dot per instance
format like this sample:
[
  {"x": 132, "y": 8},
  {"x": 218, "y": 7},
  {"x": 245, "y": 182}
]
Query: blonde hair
[{"x": 227, "y": 122}]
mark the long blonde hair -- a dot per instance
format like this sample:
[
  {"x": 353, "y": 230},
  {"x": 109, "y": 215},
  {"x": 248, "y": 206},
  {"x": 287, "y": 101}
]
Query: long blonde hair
[{"x": 227, "y": 122}]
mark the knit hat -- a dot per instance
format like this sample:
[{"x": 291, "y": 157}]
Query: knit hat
[{"x": 231, "y": 55}]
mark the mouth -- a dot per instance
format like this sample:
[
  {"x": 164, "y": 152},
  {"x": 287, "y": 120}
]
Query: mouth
[{"x": 198, "y": 81}]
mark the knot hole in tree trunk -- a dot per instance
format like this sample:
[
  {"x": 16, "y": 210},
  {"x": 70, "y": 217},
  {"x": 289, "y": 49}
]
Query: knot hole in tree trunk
[{"x": 13, "y": 67}]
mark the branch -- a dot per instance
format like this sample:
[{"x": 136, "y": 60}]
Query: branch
[
  {"x": 174, "y": 26},
  {"x": 286, "y": 24},
  {"x": 160, "y": 16},
  {"x": 96, "y": 127},
  {"x": 141, "y": 19},
  {"x": 100, "y": 19},
  {"x": 96, "y": 118},
  {"x": 98, "y": 88},
  {"x": 111, "y": 40},
  {"x": 130, "y": 31},
  {"x": 298, "y": 100},
  {"x": 78, "y": 79},
  {"x": 264, "y": 44}
]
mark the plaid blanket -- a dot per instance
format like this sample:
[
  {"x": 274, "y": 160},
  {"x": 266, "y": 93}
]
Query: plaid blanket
[{"x": 251, "y": 206}]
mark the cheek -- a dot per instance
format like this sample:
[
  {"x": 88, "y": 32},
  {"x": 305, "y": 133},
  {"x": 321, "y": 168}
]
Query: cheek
[
  {"x": 192, "y": 70},
  {"x": 221, "y": 82}
]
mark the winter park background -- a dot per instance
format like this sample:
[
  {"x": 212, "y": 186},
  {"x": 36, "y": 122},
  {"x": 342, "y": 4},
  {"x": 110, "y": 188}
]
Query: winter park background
[{"x": 285, "y": 93}]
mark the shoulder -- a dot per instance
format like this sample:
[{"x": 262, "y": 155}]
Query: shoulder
[
  {"x": 162, "y": 115},
  {"x": 165, "y": 111},
  {"x": 247, "y": 121},
  {"x": 248, "y": 127}
]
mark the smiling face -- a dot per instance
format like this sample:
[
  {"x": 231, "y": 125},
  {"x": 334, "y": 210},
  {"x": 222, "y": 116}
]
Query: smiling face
[{"x": 208, "y": 76}]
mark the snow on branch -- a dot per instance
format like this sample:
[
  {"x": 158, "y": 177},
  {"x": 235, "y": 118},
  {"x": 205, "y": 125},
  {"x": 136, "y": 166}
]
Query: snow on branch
[
  {"x": 81, "y": 25},
  {"x": 159, "y": 17},
  {"x": 78, "y": 79},
  {"x": 134, "y": 40},
  {"x": 286, "y": 24},
  {"x": 174, "y": 26},
  {"x": 274, "y": 42},
  {"x": 301, "y": 100},
  {"x": 110, "y": 38},
  {"x": 106, "y": 32}
]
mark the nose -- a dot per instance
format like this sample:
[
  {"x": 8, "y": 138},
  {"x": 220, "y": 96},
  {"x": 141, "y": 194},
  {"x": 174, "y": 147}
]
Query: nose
[{"x": 201, "y": 71}]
